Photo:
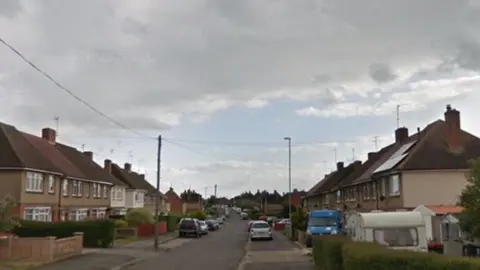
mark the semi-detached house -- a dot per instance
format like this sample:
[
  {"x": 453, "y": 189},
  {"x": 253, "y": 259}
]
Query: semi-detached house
[
  {"x": 424, "y": 168},
  {"x": 51, "y": 181},
  {"x": 139, "y": 193}
]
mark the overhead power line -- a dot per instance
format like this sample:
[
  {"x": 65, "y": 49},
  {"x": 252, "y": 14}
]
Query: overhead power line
[{"x": 68, "y": 91}]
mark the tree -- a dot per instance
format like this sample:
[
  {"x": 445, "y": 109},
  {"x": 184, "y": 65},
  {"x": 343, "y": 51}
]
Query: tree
[
  {"x": 199, "y": 214},
  {"x": 470, "y": 201},
  {"x": 139, "y": 216},
  {"x": 7, "y": 204},
  {"x": 285, "y": 211}
]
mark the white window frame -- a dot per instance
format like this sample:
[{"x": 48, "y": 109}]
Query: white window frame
[
  {"x": 105, "y": 192},
  {"x": 51, "y": 184},
  {"x": 80, "y": 189},
  {"x": 394, "y": 185},
  {"x": 75, "y": 188},
  {"x": 94, "y": 191},
  {"x": 78, "y": 214},
  {"x": 34, "y": 182},
  {"x": 65, "y": 187},
  {"x": 339, "y": 196},
  {"x": 38, "y": 213}
]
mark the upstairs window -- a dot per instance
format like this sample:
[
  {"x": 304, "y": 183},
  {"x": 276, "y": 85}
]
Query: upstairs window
[
  {"x": 394, "y": 185},
  {"x": 51, "y": 184},
  {"x": 34, "y": 182}
]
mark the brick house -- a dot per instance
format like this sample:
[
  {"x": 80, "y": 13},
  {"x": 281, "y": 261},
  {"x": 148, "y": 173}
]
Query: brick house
[
  {"x": 47, "y": 184},
  {"x": 140, "y": 193},
  {"x": 426, "y": 168},
  {"x": 174, "y": 201}
]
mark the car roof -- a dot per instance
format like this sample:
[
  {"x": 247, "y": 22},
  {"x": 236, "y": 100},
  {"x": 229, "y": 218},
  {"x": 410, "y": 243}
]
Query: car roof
[{"x": 259, "y": 221}]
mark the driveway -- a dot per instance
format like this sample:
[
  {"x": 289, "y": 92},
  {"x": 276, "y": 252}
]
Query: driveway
[
  {"x": 279, "y": 254},
  {"x": 221, "y": 250}
]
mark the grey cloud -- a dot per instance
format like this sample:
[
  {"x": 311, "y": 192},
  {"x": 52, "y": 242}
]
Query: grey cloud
[
  {"x": 163, "y": 58},
  {"x": 10, "y": 8},
  {"x": 381, "y": 73}
]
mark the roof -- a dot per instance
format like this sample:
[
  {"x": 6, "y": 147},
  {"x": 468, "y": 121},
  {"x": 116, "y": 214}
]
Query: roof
[
  {"x": 337, "y": 176},
  {"x": 445, "y": 209},
  {"x": 87, "y": 166},
  {"x": 133, "y": 180},
  {"x": 316, "y": 187}
]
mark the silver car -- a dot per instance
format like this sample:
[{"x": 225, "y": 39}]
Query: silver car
[{"x": 203, "y": 227}]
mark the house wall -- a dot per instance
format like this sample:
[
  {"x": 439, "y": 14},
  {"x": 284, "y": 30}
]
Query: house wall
[
  {"x": 432, "y": 187},
  {"x": 118, "y": 203},
  {"x": 130, "y": 199},
  {"x": 10, "y": 184}
]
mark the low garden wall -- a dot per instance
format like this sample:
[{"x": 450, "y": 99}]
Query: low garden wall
[{"x": 40, "y": 250}]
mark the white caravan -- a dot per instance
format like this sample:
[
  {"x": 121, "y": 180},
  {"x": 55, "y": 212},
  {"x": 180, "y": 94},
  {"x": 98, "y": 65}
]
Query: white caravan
[{"x": 396, "y": 230}]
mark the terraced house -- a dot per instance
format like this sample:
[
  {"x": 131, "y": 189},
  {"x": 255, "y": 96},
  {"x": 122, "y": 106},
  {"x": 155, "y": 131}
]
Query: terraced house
[
  {"x": 140, "y": 193},
  {"x": 427, "y": 167},
  {"x": 49, "y": 180}
]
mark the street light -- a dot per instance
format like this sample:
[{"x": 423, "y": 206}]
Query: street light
[{"x": 289, "y": 182}]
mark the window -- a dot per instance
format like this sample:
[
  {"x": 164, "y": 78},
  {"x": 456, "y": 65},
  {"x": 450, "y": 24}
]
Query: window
[
  {"x": 119, "y": 194},
  {"x": 326, "y": 198},
  {"x": 95, "y": 188},
  {"x": 34, "y": 182},
  {"x": 339, "y": 196},
  {"x": 374, "y": 190},
  {"x": 99, "y": 191},
  {"x": 396, "y": 237},
  {"x": 366, "y": 194},
  {"x": 98, "y": 213},
  {"x": 65, "y": 187},
  {"x": 78, "y": 214},
  {"x": 394, "y": 185},
  {"x": 38, "y": 214},
  {"x": 51, "y": 184},
  {"x": 80, "y": 188},
  {"x": 383, "y": 186},
  {"x": 74, "y": 188},
  {"x": 105, "y": 192}
]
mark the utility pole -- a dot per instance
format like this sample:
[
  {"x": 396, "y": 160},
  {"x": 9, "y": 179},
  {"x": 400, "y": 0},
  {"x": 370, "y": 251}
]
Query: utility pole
[
  {"x": 206, "y": 188},
  {"x": 215, "y": 192},
  {"x": 157, "y": 197},
  {"x": 290, "y": 182}
]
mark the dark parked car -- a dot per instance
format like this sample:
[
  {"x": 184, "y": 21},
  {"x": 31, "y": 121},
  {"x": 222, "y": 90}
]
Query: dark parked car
[
  {"x": 189, "y": 227},
  {"x": 212, "y": 225}
]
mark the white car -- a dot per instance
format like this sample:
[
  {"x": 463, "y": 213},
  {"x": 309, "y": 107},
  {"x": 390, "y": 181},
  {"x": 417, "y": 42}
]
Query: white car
[{"x": 260, "y": 230}]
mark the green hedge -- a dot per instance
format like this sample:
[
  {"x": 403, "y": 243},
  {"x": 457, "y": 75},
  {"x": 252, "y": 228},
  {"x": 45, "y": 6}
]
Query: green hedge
[
  {"x": 340, "y": 253},
  {"x": 96, "y": 233},
  {"x": 171, "y": 220}
]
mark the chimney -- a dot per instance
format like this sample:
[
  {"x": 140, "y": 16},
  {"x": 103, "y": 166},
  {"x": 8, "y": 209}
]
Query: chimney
[
  {"x": 89, "y": 154},
  {"x": 339, "y": 166},
  {"x": 357, "y": 164},
  {"x": 452, "y": 119},
  {"x": 107, "y": 165},
  {"x": 142, "y": 175},
  {"x": 128, "y": 167},
  {"x": 401, "y": 134},
  {"x": 49, "y": 135},
  {"x": 371, "y": 155}
]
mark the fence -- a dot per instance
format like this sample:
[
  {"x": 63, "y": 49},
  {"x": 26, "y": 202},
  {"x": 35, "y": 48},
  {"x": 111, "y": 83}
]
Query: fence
[
  {"x": 39, "y": 250},
  {"x": 147, "y": 230}
]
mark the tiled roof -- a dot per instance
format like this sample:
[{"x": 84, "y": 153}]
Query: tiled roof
[
  {"x": 338, "y": 176},
  {"x": 88, "y": 167},
  {"x": 314, "y": 190},
  {"x": 133, "y": 179}
]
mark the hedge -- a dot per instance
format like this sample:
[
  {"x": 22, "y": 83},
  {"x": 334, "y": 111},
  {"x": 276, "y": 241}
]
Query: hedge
[
  {"x": 96, "y": 233},
  {"x": 340, "y": 253},
  {"x": 172, "y": 221}
]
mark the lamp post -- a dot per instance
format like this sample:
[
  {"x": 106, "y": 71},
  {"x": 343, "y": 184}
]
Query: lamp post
[{"x": 289, "y": 140}]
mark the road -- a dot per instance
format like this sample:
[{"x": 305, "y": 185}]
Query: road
[{"x": 228, "y": 249}]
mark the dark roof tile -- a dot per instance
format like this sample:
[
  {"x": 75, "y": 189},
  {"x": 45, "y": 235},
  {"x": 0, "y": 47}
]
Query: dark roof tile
[{"x": 133, "y": 180}]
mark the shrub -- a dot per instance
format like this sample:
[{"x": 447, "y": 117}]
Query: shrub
[
  {"x": 120, "y": 223},
  {"x": 7, "y": 222},
  {"x": 139, "y": 216},
  {"x": 96, "y": 233},
  {"x": 366, "y": 256},
  {"x": 199, "y": 214},
  {"x": 327, "y": 251}
]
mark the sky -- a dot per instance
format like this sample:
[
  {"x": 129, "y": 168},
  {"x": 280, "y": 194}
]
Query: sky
[{"x": 224, "y": 82}]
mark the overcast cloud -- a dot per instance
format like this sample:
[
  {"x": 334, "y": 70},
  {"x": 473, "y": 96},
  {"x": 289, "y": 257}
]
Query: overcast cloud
[{"x": 177, "y": 68}]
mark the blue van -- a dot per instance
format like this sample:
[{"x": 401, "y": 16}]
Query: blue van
[{"x": 323, "y": 222}]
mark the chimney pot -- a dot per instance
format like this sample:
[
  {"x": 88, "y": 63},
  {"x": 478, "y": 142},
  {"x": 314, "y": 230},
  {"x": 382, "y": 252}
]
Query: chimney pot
[
  {"x": 371, "y": 155},
  {"x": 339, "y": 165},
  {"x": 128, "y": 167},
  {"x": 49, "y": 135},
  {"x": 452, "y": 120},
  {"x": 89, "y": 154},
  {"x": 107, "y": 165},
  {"x": 401, "y": 134}
]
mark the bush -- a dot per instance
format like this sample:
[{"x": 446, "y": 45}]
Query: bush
[
  {"x": 139, "y": 216},
  {"x": 366, "y": 256},
  {"x": 327, "y": 251},
  {"x": 120, "y": 223},
  {"x": 199, "y": 214},
  {"x": 96, "y": 233}
]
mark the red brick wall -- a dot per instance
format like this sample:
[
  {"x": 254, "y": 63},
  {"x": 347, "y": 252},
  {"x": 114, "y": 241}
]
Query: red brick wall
[
  {"x": 147, "y": 230},
  {"x": 176, "y": 205}
]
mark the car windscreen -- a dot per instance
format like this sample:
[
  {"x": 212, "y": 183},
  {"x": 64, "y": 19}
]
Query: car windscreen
[
  {"x": 187, "y": 223},
  {"x": 322, "y": 221},
  {"x": 260, "y": 225}
]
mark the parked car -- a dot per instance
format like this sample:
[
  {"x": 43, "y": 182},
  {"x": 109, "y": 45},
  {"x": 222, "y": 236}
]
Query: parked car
[
  {"x": 203, "y": 227},
  {"x": 189, "y": 227},
  {"x": 220, "y": 221},
  {"x": 212, "y": 225},
  {"x": 249, "y": 226},
  {"x": 260, "y": 230}
]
